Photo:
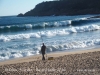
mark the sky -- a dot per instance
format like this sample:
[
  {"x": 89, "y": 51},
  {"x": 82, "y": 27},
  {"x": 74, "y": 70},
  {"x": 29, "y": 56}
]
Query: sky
[{"x": 14, "y": 7}]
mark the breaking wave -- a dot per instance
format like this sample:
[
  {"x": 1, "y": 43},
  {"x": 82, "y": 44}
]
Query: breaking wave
[
  {"x": 73, "y": 45},
  {"x": 67, "y": 23},
  {"x": 50, "y": 33},
  {"x": 10, "y": 54}
]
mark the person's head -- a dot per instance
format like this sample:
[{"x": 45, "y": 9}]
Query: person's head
[{"x": 43, "y": 44}]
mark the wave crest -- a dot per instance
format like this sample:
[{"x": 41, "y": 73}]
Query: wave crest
[{"x": 50, "y": 33}]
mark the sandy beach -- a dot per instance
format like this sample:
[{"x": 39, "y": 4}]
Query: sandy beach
[{"x": 84, "y": 62}]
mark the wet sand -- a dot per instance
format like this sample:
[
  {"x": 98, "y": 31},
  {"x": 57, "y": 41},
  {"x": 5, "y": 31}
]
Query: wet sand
[{"x": 84, "y": 62}]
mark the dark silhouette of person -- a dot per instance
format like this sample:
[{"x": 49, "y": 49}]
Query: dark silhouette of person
[{"x": 43, "y": 48}]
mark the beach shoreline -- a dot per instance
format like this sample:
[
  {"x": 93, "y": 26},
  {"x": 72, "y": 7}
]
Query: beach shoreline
[
  {"x": 85, "y": 62},
  {"x": 39, "y": 56}
]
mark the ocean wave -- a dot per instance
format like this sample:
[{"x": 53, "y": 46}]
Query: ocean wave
[
  {"x": 83, "y": 21},
  {"x": 73, "y": 45},
  {"x": 50, "y": 33},
  {"x": 4, "y": 38},
  {"x": 10, "y": 54},
  {"x": 74, "y": 22}
]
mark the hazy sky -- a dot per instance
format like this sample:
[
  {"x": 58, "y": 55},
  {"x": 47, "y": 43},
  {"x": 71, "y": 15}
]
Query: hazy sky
[{"x": 14, "y": 7}]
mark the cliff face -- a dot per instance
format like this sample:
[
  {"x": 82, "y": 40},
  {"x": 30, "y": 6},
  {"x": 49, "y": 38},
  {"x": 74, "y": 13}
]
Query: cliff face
[{"x": 65, "y": 7}]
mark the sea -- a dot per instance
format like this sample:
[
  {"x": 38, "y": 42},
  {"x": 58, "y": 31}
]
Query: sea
[{"x": 23, "y": 36}]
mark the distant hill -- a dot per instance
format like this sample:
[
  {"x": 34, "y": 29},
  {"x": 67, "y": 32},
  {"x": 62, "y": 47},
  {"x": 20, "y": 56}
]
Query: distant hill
[{"x": 65, "y": 7}]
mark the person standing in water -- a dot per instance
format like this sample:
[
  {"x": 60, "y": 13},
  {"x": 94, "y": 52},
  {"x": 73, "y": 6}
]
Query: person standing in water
[{"x": 43, "y": 48}]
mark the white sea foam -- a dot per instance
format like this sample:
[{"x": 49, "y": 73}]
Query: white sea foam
[
  {"x": 47, "y": 24},
  {"x": 50, "y": 33},
  {"x": 19, "y": 36},
  {"x": 10, "y": 54},
  {"x": 84, "y": 18},
  {"x": 28, "y": 26},
  {"x": 73, "y": 45},
  {"x": 5, "y": 55},
  {"x": 8, "y": 26},
  {"x": 84, "y": 28},
  {"x": 53, "y": 24},
  {"x": 41, "y": 24}
]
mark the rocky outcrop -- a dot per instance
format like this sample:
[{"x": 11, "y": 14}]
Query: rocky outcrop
[
  {"x": 20, "y": 15},
  {"x": 65, "y": 7}
]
